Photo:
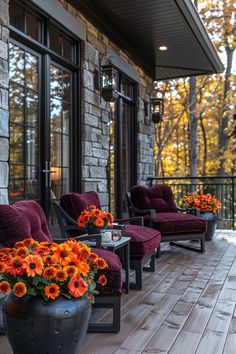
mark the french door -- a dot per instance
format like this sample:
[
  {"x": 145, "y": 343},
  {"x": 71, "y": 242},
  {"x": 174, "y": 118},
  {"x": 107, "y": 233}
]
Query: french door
[
  {"x": 41, "y": 109},
  {"x": 122, "y": 145}
]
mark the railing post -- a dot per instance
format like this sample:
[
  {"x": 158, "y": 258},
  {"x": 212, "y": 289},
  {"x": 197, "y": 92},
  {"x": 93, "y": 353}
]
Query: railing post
[{"x": 233, "y": 191}]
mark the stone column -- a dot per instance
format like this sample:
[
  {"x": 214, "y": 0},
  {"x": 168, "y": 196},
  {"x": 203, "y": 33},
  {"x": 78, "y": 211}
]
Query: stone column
[{"x": 4, "y": 115}]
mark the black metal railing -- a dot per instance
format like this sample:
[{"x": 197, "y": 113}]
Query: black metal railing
[{"x": 224, "y": 188}]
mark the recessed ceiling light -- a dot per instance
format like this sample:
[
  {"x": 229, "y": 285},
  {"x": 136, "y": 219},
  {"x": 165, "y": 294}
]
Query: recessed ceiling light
[{"x": 163, "y": 47}]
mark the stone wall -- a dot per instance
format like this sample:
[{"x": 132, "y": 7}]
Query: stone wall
[
  {"x": 4, "y": 144},
  {"x": 95, "y": 115}
]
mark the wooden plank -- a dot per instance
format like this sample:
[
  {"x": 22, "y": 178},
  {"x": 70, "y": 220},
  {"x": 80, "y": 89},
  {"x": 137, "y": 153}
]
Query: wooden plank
[
  {"x": 230, "y": 344},
  {"x": 186, "y": 342},
  {"x": 216, "y": 332}
]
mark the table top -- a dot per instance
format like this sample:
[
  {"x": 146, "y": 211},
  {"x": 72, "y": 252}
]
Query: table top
[{"x": 111, "y": 244}]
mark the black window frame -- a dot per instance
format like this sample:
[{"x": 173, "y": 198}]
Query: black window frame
[{"x": 20, "y": 38}]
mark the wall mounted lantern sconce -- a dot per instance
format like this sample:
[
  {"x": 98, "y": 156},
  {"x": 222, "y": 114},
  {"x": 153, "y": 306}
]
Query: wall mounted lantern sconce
[
  {"x": 157, "y": 109},
  {"x": 110, "y": 82}
]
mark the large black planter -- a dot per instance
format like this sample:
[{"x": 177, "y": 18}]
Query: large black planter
[
  {"x": 34, "y": 326},
  {"x": 211, "y": 220}
]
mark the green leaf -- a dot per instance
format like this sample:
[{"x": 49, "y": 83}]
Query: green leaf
[{"x": 32, "y": 292}]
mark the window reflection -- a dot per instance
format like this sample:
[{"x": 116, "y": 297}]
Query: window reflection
[{"x": 24, "y": 122}]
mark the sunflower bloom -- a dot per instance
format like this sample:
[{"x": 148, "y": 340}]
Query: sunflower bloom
[
  {"x": 102, "y": 280},
  {"x": 61, "y": 275},
  {"x": 71, "y": 270},
  {"x": 49, "y": 273},
  {"x": 93, "y": 256},
  {"x": 52, "y": 291},
  {"x": 2, "y": 267},
  {"x": 33, "y": 265},
  {"x": 19, "y": 289},
  {"x": 99, "y": 222},
  {"x": 15, "y": 266},
  {"x": 22, "y": 252},
  {"x": 5, "y": 287},
  {"x": 83, "y": 268},
  {"x": 77, "y": 286},
  {"x": 100, "y": 263}
]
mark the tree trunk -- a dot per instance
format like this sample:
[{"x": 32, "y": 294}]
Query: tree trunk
[
  {"x": 193, "y": 129},
  {"x": 223, "y": 137}
]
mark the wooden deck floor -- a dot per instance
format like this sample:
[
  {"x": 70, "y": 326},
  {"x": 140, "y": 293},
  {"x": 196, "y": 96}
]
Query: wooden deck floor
[{"x": 186, "y": 307}]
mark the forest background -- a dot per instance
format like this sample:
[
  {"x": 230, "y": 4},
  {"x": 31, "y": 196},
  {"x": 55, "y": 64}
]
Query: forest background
[{"x": 198, "y": 134}]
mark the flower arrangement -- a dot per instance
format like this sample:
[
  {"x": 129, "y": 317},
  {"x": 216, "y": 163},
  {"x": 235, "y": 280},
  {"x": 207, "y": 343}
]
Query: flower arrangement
[
  {"x": 92, "y": 216},
  {"x": 50, "y": 269},
  {"x": 203, "y": 202}
]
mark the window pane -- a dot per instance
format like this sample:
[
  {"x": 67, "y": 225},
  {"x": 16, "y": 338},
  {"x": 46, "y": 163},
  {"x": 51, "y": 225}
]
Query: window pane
[
  {"x": 16, "y": 186},
  {"x": 31, "y": 182},
  {"x": 16, "y": 99},
  {"x": 32, "y": 108},
  {"x": 66, "y": 151},
  {"x": 66, "y": 83},
  {"x": 55, "y": 115},
  {"x": 127, "y": 88},
  {"x": 16, "y": 13},
  {"x": 66, "y": 118},
  {"x": 65, "y": 181},
  {"x": 16, "y": 143},
  {"x": 31, "y": 71},
  {"x": 56, "y": 88},
  {"x": 56, "y": 149},
  {"x": 16, "y": 64},
  {"x": 56, "y": 41},
  {"x": 31, "y": 153},
  {"x": 33, "y": 26},
  {"x": 56, "y": 181},
  {"x": 68, "y": 49}
]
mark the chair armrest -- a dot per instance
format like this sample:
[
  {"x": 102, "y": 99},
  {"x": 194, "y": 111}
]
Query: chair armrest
[{"x": 139, "y": 220}]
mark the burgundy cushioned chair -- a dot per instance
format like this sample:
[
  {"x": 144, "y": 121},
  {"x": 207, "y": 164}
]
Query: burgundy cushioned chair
[
  {"x": 156, "y": 204},
  {"x": 144, "y": 241},
  {"x": 26, "y": 218}
]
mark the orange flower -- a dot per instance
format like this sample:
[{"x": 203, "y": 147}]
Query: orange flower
[
  {"x": 19, "y": 289},
  {"x": 81, "y": 223},
  {"x": 74, "y": 245},
  {"x": 49, "y": 272},
  {"x": 71, "y": 270},
  {"x": 2, "y": 267},
  {"x": 28, "y": 241},
  {"x": 33, "y": 265},
  {"x": 83, "y": 268},
  {"x": 62, "y": 251},
  {"x": 22, "y": 252},
  {"x": 77, "y": 286},
  {"x": 102, "y": 280},
  {"x": 52, "y": 291},
  {"x": 5, "y": 287},
  {"x": 93, "y": 256},
  {"x": 99, "y": 222},
  {"x": 100, "y": 263},
  {"x": 110, "y": 217},
  {"x": 16, "y": 266},
  {"x": 61, "y": 275},
  {"x": 71, "y": 261}
]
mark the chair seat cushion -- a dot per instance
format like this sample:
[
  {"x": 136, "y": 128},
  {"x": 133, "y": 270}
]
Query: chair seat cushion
[
  {"x": 177, "y": 223},
  {"x": 22, "y": 220},
  {"x": 143, "y": 240},
  {"x": 113, "y": 273}
]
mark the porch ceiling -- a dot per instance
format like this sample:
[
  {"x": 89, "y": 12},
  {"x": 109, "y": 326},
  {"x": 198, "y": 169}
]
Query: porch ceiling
[{"x": 140, "y": 27}]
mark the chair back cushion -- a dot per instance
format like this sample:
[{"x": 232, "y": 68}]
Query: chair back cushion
[
  {"x": 159, "y": 197},
  {"x": 22, "y": 220},
  {"x": 75, "y": 203}
]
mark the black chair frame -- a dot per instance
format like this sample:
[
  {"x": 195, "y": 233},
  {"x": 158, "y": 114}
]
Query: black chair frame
[{"x": 173, "y": 239}]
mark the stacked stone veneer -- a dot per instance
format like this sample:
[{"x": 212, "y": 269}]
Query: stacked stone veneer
[
  {"x": 4, "y": 123},
  {"x": 95, "y": 115}
]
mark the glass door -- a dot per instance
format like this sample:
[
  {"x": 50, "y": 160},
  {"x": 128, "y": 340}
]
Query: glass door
[
  {"x": 24, "y": 93},
  {"x": 122, "y": 148},
  {"x": 40, "y": 143}
]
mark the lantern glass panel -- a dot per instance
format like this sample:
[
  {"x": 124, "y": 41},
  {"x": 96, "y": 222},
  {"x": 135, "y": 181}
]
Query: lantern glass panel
[{"x": 109, "y": 78}]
